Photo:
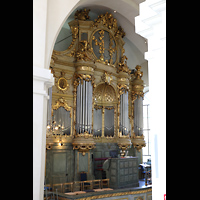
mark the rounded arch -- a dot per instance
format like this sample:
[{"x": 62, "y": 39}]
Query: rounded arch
[{"x": 59, "y": 11}]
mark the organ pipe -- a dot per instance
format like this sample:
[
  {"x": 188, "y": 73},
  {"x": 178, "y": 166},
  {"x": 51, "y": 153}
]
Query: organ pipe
[
  {"x": 138, "y": 114},
  {"x": 84, "y": 107},
  {"x": 124, "y": 120}
]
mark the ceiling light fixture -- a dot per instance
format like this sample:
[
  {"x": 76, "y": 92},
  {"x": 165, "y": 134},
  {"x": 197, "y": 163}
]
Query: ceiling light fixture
[{"x": 114, "y": 11}]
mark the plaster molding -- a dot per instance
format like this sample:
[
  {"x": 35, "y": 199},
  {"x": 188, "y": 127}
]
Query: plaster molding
[
  {"x": 42, "y": 80},
  {"x": 149, "y": 19},
  {"x": 148, "y": 23}
]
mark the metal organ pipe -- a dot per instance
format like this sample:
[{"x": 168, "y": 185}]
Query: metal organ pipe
[
  {"x": 84, "y": 107},
  {"x": 78, "y": 108},
  {"x": 138, "y": 114},
  {"x": 86, "y": 111},
  {"x": 81, "y": 107},
  {"x": 124, "y": 121}
]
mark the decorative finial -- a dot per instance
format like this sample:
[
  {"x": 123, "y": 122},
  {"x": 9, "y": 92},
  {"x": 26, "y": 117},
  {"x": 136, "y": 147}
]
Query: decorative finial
[
  {"x": 138, "y": 73},
  {"x": 138, "y": 84}
]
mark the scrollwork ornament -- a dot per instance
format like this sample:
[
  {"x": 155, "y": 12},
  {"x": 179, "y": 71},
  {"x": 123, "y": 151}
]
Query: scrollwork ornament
[
  {"x": 123, "y": 65},
  {"x": 80, "y": 77},
  {"x": 122, "y": 88},
  {"x": 84, "y": 52},
  {"x": 61, "y": 102},
  {"x": 107, "y": 77}
]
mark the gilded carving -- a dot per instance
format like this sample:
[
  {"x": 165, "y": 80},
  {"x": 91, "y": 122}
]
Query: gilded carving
[
  {"x": 112, "y": 49},
  {"x": 124, "y": 143},
  {"x": 84, "y": 52},
  {"x": 115, "y": 194},
  {"x": 107, "y": 77},
  {"x": 83, "y": 142},
  {"x": 74, "y": 30},
  {"x": 60, "y": 80},
  {"x": 81, "y": 77},
  {"x": 82, "y": 14},
  {"x": 120, "y": 32},
  {"x": 61, "y": 102},
  {"x": 138, "y": 142},
  {"x": 107, "y": 20},
  {"x": 97, "y": 107},
  {"x": 122, "y": 88},
  {"x": 138, "y": 73},
  {"x": 137, "y": 86},
  {"x": 123, "y": 65},
  {"x": 63, "y": 84}
]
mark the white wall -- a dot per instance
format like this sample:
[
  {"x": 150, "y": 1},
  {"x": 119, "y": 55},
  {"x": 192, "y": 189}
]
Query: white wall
[
  {"x": 136, "y": 57},
  {"x": 39, "y": 32},
  {"x": 151, "y": 23}
]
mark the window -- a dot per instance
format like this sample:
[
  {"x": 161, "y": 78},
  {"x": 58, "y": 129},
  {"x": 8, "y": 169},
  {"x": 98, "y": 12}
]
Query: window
[{"x": 146, "y": 129}]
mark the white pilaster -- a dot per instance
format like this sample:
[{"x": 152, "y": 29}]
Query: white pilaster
[
  {"x": 42, "y": 80},
  {"x": 151, "y": 24}
]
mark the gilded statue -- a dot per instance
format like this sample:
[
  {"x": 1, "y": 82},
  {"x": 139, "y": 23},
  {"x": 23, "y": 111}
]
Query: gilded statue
[
  {"x": 84, "y": 51},
  {"x": 82, "y": 14}
]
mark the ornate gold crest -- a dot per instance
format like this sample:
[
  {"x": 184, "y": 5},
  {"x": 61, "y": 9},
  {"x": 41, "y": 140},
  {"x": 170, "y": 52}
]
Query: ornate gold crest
[
  {"x": 62, "y": 84},
  {"x": 60, "y": 81}
]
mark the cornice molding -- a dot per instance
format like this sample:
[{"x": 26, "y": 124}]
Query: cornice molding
[
  {"x": 146, "y": 20},
  {"x": 42, "y": 80}
]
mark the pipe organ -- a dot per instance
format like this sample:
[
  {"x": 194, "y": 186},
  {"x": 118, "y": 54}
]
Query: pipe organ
[{"x": 94, "y": 85}]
